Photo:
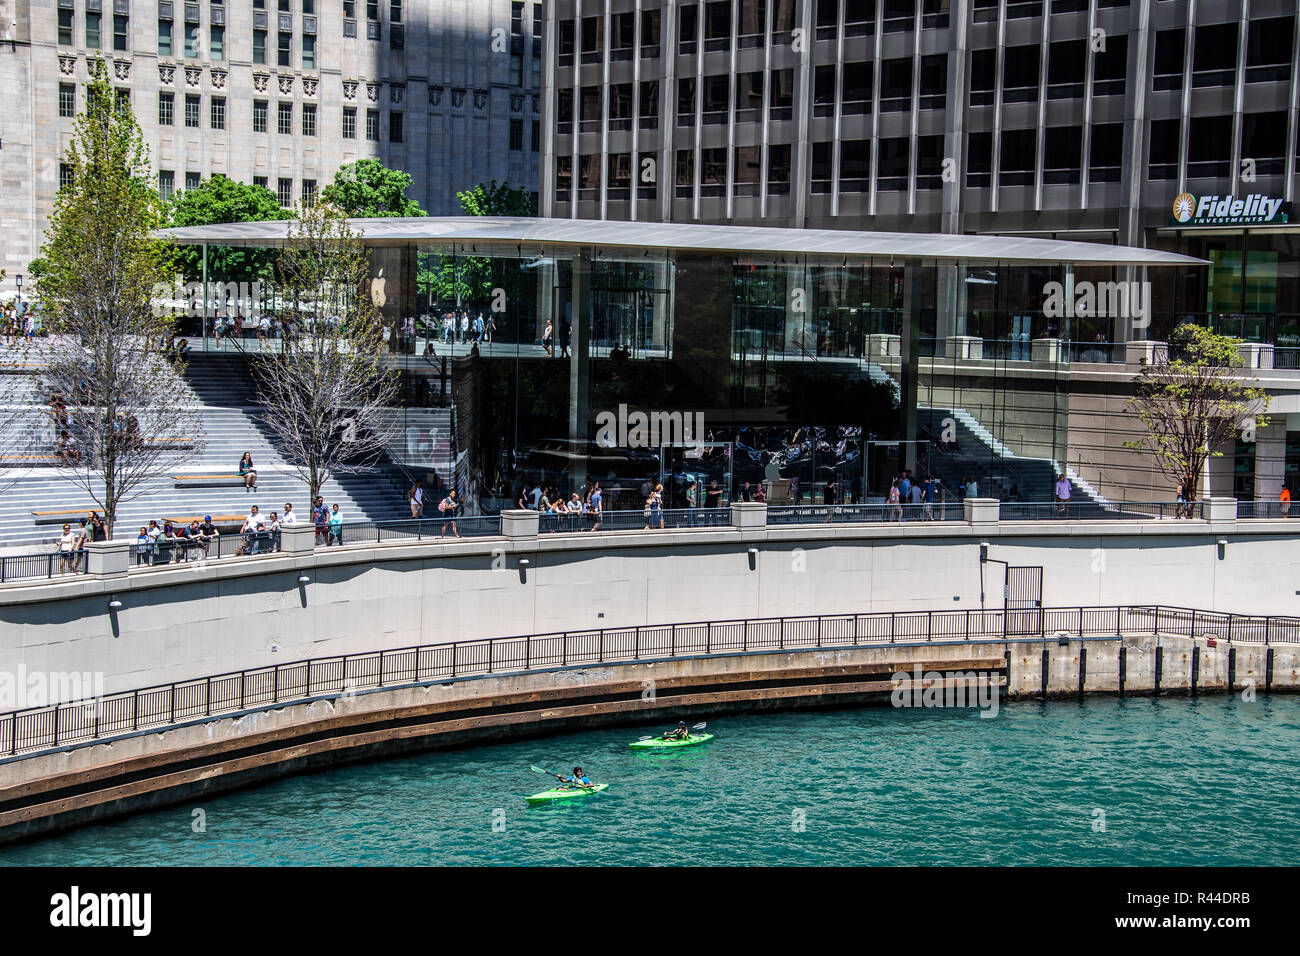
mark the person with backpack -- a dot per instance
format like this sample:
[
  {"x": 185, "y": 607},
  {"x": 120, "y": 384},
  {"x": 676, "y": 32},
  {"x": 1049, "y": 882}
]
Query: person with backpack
[{"x": 449, "y": 506}]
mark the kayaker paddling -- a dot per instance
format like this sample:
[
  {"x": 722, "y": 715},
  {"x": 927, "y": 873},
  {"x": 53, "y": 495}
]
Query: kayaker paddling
[
  {"x": 680, "y": 732},
  {"x": 578, "y": 778}
]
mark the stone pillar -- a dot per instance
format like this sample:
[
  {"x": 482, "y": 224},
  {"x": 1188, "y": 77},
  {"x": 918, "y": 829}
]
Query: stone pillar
[
  {"x": 108, "y": 559},
  {"x": 393, "y": 286},
  {"x": 298, "y": 538},
  {"x": 909, "y": 372},
  {"x": 747, "y": 515},
  {"x": 882, "y": 345},
  {"x": 1221, "y": 509},
  {"x": 963, "y": 347},
  {"x": 950, "y": 318},
  {"x": 982, "y": 511},
  {"x": 1144, "y": 352},
  {"x": 579, "y": 366},
  {"x": 1047, "y": 351},
  {"x": 519, "y": 523},
  {"x": 1256, "y": 354},
  {"x": 1270, "y": 459}
]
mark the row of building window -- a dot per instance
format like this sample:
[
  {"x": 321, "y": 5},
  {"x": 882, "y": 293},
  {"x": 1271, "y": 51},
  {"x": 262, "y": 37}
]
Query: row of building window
[
  {"x": 283, "y": 190},
  {"x": 193, "y": 109},
  {"x": 94, "y": 28},
  {"x": 1263, "y": 138},
  {"x": 1268, "y": 59}
]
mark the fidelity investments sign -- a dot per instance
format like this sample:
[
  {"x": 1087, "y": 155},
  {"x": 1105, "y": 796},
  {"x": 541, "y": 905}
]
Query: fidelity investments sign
[{"x": 1256, "y": 209}]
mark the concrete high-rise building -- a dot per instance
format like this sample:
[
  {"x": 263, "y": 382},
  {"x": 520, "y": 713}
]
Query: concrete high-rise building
[
  {"x": 276, "y": 92},
  {"x": 1077, "y": 119},
  {"x": 1164, "y": 124}
]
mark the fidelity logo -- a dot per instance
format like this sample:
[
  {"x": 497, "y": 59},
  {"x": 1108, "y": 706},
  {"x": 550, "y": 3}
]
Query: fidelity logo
[
  {"x": 77, "y": 909},
  {"x": 1223, "y": 210}
]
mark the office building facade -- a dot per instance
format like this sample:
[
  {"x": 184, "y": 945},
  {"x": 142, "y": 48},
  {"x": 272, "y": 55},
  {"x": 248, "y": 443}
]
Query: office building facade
[
  {"x": 1160, "y": 124},
  {"x": 276, "y": 92},
  {"x": 1076, "y": 119}
]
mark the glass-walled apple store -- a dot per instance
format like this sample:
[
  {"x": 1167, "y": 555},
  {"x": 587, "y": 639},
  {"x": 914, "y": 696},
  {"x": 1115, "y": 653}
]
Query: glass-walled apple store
[{"x": 716, "y": 361}]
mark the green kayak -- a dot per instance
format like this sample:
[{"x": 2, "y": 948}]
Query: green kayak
[
  {"x": 565, "y": 793},
  {"x": 658, "y": 743}
]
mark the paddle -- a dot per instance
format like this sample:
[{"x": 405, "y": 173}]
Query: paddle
[{"x": 699, "y": 726}]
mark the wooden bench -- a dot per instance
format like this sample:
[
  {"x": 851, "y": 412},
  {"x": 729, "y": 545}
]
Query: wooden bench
[
  {"x": 69, "y": 516},
  {"x": 207, "y": 481}
]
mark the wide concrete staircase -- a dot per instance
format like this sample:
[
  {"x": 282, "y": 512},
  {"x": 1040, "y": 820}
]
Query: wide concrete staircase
[{"x": 233, "y": 424}]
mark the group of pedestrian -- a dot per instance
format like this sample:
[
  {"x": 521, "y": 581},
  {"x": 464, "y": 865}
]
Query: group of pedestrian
[
  {"x": 72, "y": 544},
  {"x": 17, "y": 321},
  {"x": 907, "y": 489},
  {"x": 459, "y": 328},
  {"x": 569, "y": 513},
  {"x": 448, "y": 507},
  {"x": 168, "y": 543},
  {"x": 548, "y": 340}
]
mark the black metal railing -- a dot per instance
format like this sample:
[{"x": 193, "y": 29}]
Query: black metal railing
[
  {"x": 20, "y": 567},
  {"x": 1085, "y": 509},
  {"x": 1267, "y": 509},
  {"x": 43, "y": 728},
  {"x": 830, "y": 514},
  {"x": 412, "y": 529}
]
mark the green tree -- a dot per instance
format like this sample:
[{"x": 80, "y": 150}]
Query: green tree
[
  {"x": 367, "y": 189},
  {"x": 221, "y": 199},
  {"x": 1193, "y": 401},
  {"x": 496, "y": 199},
  {"x": 108, "y": 353},
  {"x": 451, "y": 279}
]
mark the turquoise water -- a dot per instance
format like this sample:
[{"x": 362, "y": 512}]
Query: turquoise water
[{"x": 1180, "y": 782}]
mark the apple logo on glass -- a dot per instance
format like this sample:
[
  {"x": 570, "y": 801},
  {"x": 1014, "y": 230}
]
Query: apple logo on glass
[{"x": 377, "y": 294}]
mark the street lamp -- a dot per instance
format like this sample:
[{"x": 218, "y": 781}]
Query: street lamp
[{"x": 19, "y": 279}]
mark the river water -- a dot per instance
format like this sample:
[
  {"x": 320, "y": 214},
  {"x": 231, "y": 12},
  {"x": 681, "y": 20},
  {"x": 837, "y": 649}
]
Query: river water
[{"x": 1167, "y": 781}]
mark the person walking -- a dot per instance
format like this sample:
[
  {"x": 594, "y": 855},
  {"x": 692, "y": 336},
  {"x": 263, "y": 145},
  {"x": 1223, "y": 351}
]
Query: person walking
[
  {"x": 595, "y": 509},
  {"x": 416, "y": 495},
  {"x": 546, "y": 338},
  {"x": 449, "y": 506},
  {"x": 895, "y": 502},
  {"x": 1062, "y": 496},
  {"x": 68, "y": 550},
  {"x": 1285, "y": 500}
]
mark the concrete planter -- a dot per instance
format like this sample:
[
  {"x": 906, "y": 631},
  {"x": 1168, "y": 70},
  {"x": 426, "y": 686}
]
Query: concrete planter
[
  {"x": 963, "y": 347},
  {"x": 519, "y": 523}
]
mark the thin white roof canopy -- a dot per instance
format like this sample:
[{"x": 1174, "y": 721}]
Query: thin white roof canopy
[{"x": 644, "y": 237}]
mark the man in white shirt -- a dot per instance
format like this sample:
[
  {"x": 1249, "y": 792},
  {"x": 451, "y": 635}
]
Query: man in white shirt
[
  {"x": 288, "y": 517},
  {"x": 254, "y": 526}
]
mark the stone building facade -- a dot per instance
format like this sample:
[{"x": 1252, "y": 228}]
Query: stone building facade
[{"x": 278, "y": 92}]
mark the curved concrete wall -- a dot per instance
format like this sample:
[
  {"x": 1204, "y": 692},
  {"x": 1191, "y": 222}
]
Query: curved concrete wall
[{"x": 180, "y": 624}]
